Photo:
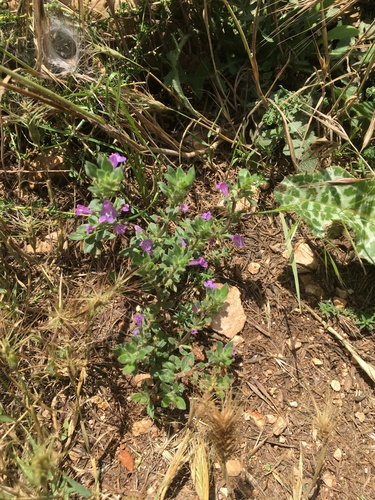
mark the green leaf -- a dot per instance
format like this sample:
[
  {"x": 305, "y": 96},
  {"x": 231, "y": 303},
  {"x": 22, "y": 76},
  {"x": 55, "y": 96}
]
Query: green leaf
[
  {"x": 341, "y": 32},
  {"x": 330, "y": 196},
  {"x": 141, "y": 397},
  {"x": 165, "y": 375},
  {"x": 180, "y": 403},
  {"x": 78, "y": 235},
  {"x": 6, "y": 419},
  {"x": 91, "y": 170},
  {"x": 78, "y": 488},
  {"x": 129, "y": 369}
]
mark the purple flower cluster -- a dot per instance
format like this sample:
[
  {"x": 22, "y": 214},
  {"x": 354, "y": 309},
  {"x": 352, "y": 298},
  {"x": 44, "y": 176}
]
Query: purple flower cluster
[
  {"x": 138, "y": 318},
  {"x": 108, "y": 213}
]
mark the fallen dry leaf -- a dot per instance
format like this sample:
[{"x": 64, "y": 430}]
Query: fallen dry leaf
[{"x": 125, "y": 458}]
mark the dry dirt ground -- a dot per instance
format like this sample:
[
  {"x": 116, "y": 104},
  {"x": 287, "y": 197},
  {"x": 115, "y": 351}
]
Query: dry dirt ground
[{"x": 288, "y": 370}]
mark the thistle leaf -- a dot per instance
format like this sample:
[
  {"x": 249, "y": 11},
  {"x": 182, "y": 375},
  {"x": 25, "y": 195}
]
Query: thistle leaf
[{"x": 333, "y": 196}]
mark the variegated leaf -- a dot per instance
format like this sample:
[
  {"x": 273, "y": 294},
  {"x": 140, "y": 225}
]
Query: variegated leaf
[{"x": 330, "y": 196}]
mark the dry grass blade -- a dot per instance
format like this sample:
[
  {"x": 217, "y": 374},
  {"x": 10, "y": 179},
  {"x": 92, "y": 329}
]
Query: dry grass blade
[
  {"x": 298, "y": 478},
  {"x": 199, "y": 467},
  {"x": 177, "y": 461},
  {"x": 366, "y": 367},
  {"x": 369, "y": 132}
]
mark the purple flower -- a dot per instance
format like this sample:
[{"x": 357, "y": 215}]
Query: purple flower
[
  {"x": 184, "y": 208},
  {"x": 137, "y": 228},
  {"x": 195, "y": 308},
  {"x": 89, "y": 229},
  {"x": 108, "y": 212},
  {"x": 136, "y": 331},
  {"x": 238, "y": 240},
  {"x": 138, "y": 318},
  {"x": 119, "y": 228},
  {"x": 146, "y": 245},
  {"x": 125, "y": 208},
  {"x": 183, "y": 243},
  {"x": 201, "y": 261},
  {"x": 206, "y": 216},
  {"x": 116, "y": 158},
  {"x": 194, "y": 331},
  {"x": 82, "y": 210},
  {"x": 210, "y": 284},
  {"x": 223, "y": 186}
]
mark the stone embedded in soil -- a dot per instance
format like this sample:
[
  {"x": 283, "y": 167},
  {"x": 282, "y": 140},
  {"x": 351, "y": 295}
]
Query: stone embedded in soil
[
  {"x": 329, "y": 479},
  {"x": 317, "y": 362},
  {"x": 293, "y": 345},
  {"x": 304, "y": 257},
  {"x": 314, "y": 290},
  {"x": 337, "y": 455},
  {"x": 142, "y": 426},
  {"x": 258, "y": 418},
  {"x": 231, "y": 318},
  {"x": 336, "y": 386},
  {"x": 360, "y": 416},
  {"x": 339, "y": 302},
  {"x": 234, "y": 468},
  {"x": 253, "y": 268},
  {"x": 279, "y": 426}
]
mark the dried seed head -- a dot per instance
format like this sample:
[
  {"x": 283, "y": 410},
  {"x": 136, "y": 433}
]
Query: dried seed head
[
  {"x": 324, "y": 421},
  {"x": 223, "y": 427}
]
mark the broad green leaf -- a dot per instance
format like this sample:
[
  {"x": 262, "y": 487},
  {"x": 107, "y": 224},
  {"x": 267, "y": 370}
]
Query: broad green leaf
[
  {"x": 333, "y": 196},
  {"x": 341, "y": 32}
]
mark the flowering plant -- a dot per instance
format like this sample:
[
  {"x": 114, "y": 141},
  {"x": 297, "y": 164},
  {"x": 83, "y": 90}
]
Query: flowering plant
[{"x": 174, "y": 255}]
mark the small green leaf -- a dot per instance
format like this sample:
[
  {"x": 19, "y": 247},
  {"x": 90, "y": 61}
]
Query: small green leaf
[
  {"x": 180, "y": 403},
  {"x": 129, "y": 369},
  {"x": 91, "y": 170},
  {"x": 141, "y": 397},
  {"x": 78, "y": 488}
]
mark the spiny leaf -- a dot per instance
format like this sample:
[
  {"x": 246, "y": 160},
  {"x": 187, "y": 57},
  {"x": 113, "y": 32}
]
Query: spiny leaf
[{"x": 330, "y": 196}]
